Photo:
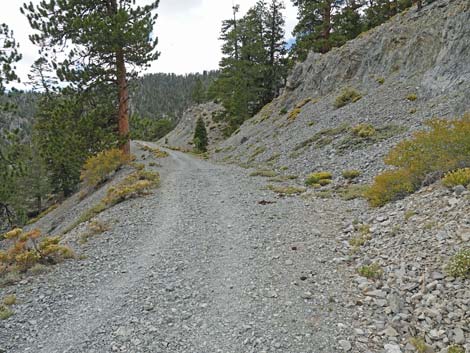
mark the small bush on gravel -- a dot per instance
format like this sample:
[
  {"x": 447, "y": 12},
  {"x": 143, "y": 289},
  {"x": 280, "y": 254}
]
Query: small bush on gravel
[
  {"x": 294, "y": 114},
  {"x": 9, "y": 300},
  {"x": 459, "y": 264},
  {"x": 26, "y": 250},
  {"x": 347, "y": 95},
  {"x": 321, "y": 178},
  {"x": 286, "y": 190},
  {"x": 389, "y": 186},
  {"x": 136, "y": 184},
  {"x": 364, "y": 130},
  {"x": 455, "y": 349},
  {"x": 264, "y": 173},
  {"x": 98, "y": 168},
  {"x": 5, "y": 312},
  {"x": 94, "y": 228},
  {"x": 351, "y": 174},
  {"x": 372, "y": 271},
  {"x": 412, "y": 97},
  {"x": 443, "y": 148},
  {"x": 352, "y": 192},
  {"x": 419, "y": 344},
  {"x": 457, "y": 177},
  {"x": 156, "y": 152}
]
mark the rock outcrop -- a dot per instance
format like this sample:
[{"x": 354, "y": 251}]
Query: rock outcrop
[{"x": 182, "y": 135}]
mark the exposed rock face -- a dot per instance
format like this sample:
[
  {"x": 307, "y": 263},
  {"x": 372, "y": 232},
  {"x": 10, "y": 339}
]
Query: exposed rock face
[
  {"x": 410, "y": 69},
  {"x": 182, "y": 135}
]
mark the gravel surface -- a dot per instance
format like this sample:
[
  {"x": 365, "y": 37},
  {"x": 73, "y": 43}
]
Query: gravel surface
[{"x": 198, "y": 266}]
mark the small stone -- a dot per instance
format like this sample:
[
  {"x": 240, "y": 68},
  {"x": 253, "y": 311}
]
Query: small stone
[
  {"x": 376, "y": 293},
  {"x": 395, "y": 303},
  {"x": 459, "y": 336},
  {"x": 437, "y": 276},
  {"x": 289, "y": 262},
  {"x": 345, "y": 345},
  {"x": 459, "y": 189},
  {"x": 390, "y": 332},
  {"x": 392, "y": 348}
]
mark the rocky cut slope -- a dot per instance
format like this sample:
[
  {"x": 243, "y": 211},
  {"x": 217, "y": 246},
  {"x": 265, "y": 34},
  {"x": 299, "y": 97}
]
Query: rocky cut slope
[
  {"x": 182, "y": 135},
  {"x": 391, "y": 79}
]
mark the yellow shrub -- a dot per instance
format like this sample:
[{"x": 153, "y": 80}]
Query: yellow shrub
[
  {"x": 442, "y": 148},
  {"x": 389, "y": 186},
  {"x": 457, "y": 177},
  {"x": 136, "y": 184},
  {"x": 347, "y": 95},
  {"x": 412, "y": 97},
  {"x": 351, "y": 174},
  {"x": 97, "y": 168},
  {"x": 294, "y": 114},
  {"x": 363, "y": 130},
  {"x": 25, "y": 251},
  {"x": 322, "y": 178}
]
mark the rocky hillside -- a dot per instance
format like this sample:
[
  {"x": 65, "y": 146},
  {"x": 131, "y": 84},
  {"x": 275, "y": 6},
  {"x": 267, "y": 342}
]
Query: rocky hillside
[
  {"x": 408, "y": 70},
  {"x": 182, "y": 135},
  {"x": 390, "y": 81}
]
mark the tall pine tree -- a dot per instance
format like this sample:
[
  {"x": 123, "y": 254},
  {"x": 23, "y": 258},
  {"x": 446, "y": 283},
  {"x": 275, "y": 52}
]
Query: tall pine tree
[
  {"x": 253, "y": 67},
  {"x": 102, "y": 40}
]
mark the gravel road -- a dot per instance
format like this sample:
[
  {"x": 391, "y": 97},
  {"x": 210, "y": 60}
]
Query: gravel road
[{"x": 199, "y": 266}]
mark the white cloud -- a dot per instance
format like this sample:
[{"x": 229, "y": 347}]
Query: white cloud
[{"x": 188, "y": 32}]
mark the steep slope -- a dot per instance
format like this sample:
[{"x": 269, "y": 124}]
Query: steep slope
[
  {"x": 410, "y": 69},
  {"x": 403, "y": 73},
  {"x": 182, "y": 135}
]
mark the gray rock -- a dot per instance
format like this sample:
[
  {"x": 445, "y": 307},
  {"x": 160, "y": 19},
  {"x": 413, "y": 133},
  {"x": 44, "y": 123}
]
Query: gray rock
[{"x": 392, "y": 348}]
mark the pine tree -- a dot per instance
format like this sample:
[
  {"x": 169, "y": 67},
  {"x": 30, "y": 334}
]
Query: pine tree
[
  {"x": 313, "y": 31},
  {"x": 104, "y": 38},
  {"x": 200, "y": 136},
  {"x": 253, "y": 67},
  {"x": 11, "y": 150},
  {"x": 199, "y": 92},
  {"x": 276, "y": 47}
]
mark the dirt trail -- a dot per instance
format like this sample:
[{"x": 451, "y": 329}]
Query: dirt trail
[{"x": 197, "y": 267}]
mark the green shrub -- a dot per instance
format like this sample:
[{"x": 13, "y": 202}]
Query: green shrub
[
  {"x": 389, "y": 186},
  {"x": 264, "y": 173},
  {"x": 455, "y": 349},
  {"x": 444, "y": 147},
  {"x": 457, "y": 177},
  {"x": 318, "y": 178},
  {"x": 9, "y": 300},
  {"x": 372, "y": 271},
  {"x": 98, "y": 168},
  {"x": 364, "y": 130},
  {"x": 412, "y": 97},
  {"x": 283, "y": 111},
  {"x": 419, "y": 344},
  {"x": 459, "y": 264},
  {"x": 351, "y": 174},
  {"x": 286, "y": 190},
  {"x": 347, "y": 95},
  {"x": 380, "y": 80},
  {"x": 352, "y": 192},
  {"x": 5, "y": 312}
]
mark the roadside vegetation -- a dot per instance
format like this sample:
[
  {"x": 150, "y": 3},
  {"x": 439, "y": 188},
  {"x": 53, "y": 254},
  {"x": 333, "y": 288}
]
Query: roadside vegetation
[{"x": 443, "y": 150}]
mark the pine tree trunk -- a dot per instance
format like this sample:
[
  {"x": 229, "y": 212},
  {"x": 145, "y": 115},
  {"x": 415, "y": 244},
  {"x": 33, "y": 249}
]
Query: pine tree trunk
[
  {"x": 326, "y": 27},
  {"x": 123, "y": 98}
]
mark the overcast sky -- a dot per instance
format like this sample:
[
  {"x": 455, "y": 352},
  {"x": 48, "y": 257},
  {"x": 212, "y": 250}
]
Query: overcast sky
[{"x": 188, "y": 32}]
